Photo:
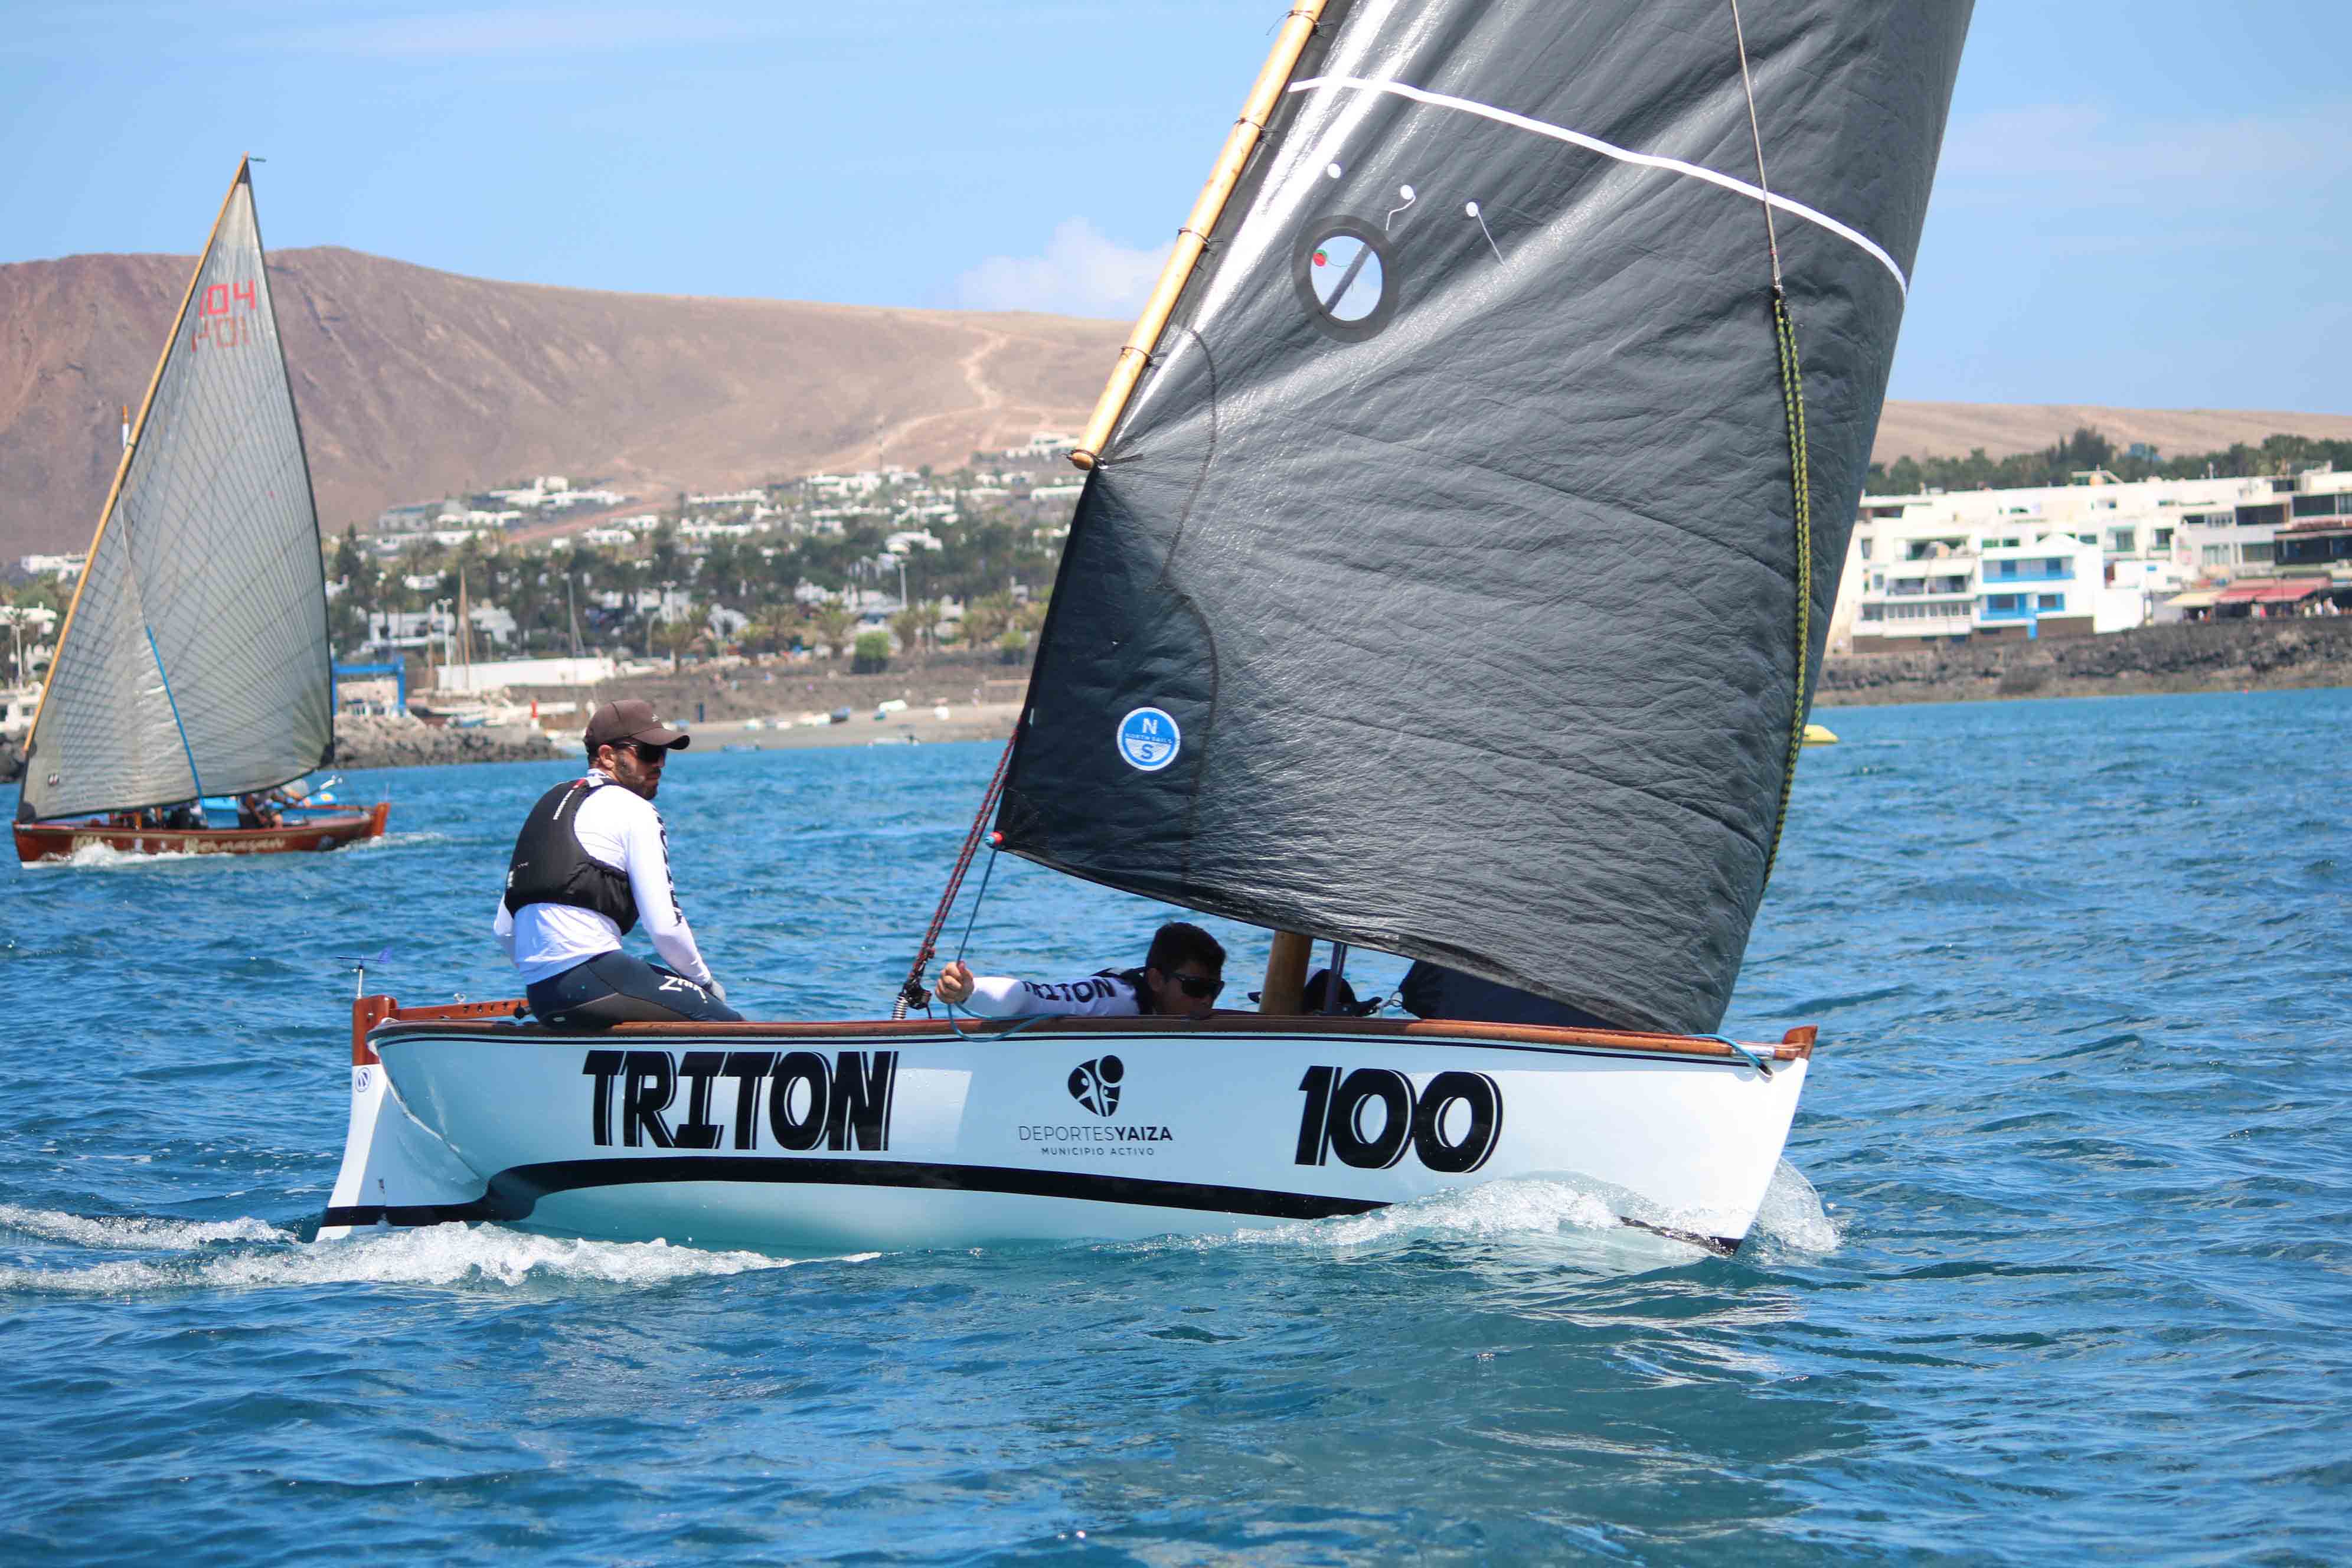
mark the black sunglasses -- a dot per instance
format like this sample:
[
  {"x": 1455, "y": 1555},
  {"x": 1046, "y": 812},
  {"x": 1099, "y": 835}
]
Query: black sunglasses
[
  {"x": 650, "y": 753},
  {"x": 1199, "y": 987}
]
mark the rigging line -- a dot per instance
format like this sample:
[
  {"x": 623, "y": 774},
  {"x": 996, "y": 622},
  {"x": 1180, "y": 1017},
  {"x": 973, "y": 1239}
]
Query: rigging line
[
  {"x": 174, "y": 701},
  {"x": 1801, "y": 478},
  {"x": 962, "y": 1034},
  {"x": 1756, "y": 131},
  {"x": 1751, "y": 1058},
  {"x": 911, "y": 992},
  {"x": 978, "y": 899},
  {"x": 1622, "y": 155}
]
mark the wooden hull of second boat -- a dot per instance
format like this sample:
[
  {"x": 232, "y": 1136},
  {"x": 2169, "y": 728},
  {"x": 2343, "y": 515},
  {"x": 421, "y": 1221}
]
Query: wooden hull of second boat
[
  {"x": 853, "y": 1136},
  {"x": 40, "y": 841}
]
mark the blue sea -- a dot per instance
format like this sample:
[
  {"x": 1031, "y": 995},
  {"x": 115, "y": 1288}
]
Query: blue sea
[{"x": 2058, "y": 1267}]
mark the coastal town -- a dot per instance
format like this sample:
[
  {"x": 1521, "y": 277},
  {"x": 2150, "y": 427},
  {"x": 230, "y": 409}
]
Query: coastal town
[{"x": 498, "y": 608}]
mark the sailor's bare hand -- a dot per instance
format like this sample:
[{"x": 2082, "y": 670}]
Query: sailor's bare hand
[{"x": 955, "y": 982}]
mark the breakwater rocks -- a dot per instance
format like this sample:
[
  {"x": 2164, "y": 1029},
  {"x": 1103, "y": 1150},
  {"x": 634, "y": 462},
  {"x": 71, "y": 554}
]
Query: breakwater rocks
[
  {"x": 12, "y": 761},
  {"x": 403, "y": 742},
  {"x": 2223, "y": 656}
]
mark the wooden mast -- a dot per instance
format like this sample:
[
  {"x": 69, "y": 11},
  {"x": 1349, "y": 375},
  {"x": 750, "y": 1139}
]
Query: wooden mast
[
  {"x": 1296, "y": 29},
  {"x": 1284, "y": 990},
  {"x": 130, "y": 447}
]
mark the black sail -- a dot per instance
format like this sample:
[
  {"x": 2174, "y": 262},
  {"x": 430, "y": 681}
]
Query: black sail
[{"x": 1438, "y": 589}]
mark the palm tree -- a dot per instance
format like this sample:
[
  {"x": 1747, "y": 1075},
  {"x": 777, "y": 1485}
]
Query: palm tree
[
  {"x": 908, "y": 624},
  {"x": 984, "y": 619},
  {"x": 777, "y": 625},
  {"x": 674, "y": 637},
  {"x": 833, "y": 622}
]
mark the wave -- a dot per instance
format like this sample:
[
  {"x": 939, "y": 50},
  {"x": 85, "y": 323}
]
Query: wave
[
  {"x": 470, "y": 1257},
  {"x": 134, "y": 1233},
  {"x": 1791, "y": 1222},
  {"x": 106, "y": 857},
  {"x": 396, "y": 841}
]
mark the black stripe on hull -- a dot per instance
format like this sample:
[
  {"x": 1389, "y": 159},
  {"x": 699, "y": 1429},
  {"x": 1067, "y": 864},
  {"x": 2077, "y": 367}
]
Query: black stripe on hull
[{"x": 515, "y": 1193}]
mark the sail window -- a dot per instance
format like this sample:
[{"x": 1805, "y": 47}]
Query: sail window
[{"x": 1344, "y": 278}]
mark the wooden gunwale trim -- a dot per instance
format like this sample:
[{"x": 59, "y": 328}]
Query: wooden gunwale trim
[
  {"x": 1193, "y": 238},
  {"x": 497, "y": 1020},
  {"x": 61, "y": 828},
  {"x": 138, "y": 428}
]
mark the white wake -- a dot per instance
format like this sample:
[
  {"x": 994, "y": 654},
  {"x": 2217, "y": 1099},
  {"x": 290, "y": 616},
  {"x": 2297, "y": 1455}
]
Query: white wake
[{"x": 252, "y": 1254}]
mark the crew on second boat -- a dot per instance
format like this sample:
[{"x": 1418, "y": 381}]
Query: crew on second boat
[
  {"x": 1181, "y": 974},
  {"x": 591, "y": 859}
]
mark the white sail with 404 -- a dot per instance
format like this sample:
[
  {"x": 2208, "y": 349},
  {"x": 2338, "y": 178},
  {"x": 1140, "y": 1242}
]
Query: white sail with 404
[{"x": 194, "y": 659}]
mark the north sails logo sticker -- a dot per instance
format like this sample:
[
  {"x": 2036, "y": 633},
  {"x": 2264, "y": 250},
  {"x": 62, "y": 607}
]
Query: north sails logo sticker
[
  {"x": 1094, "y": 1084},
  {"x": 1149, "y": 740}
]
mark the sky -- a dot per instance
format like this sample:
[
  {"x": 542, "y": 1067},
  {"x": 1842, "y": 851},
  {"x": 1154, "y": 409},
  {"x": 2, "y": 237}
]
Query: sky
[{"x": 2142, "y": 203}]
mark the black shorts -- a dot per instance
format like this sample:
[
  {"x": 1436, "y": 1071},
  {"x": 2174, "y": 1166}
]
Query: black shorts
[{"x": 614, "y": 988}]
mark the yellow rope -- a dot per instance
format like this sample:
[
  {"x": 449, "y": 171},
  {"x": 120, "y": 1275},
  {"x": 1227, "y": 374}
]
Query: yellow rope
[{"x": 1792, "y": 400}]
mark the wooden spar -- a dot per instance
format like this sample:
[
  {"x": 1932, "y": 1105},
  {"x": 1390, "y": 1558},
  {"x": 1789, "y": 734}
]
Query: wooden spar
[
  {"x": 123, "y": 468},
  {"x": 1285, "y": 991},
  {"x": 1296, "y": 29}
]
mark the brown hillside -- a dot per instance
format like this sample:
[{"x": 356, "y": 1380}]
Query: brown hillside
[
  {"x": 412, "y": 384},
  {"x": 1955, "y": 429},
  {"x": 415, "y": 383}
]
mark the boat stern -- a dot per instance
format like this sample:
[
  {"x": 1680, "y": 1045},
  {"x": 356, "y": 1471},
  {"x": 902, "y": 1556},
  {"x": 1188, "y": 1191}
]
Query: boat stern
[{"x": 395, "y": 1171}]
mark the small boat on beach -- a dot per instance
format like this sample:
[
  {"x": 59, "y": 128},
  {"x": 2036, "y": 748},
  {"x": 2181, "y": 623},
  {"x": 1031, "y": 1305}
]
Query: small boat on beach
[
  {"x": 1450, "y": 580},
  {"x": 193, "y": 657}
]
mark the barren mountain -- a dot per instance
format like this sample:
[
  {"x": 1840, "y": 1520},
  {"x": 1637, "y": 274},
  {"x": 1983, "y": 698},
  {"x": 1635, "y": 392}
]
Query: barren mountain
[
  {"x": 1955, "y": 429},
  {"x": 414, "y": 384}
]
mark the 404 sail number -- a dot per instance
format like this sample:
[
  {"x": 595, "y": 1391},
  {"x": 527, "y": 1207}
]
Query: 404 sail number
[
  {"x": 1368, "y": 1117},
  {"x": 225, "y": 313}
]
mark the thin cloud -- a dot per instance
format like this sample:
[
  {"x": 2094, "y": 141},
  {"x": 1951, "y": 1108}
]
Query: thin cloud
[{"x": 1081, "y": 273}]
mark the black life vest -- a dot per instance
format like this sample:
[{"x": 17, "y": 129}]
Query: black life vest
[
  {"x": 550, "y": 867},
  {"x": 1133, "y": 980}
]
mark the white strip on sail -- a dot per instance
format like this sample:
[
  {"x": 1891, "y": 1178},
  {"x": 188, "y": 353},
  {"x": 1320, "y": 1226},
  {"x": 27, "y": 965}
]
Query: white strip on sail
[
  {"x": 195, "y": 658},
  {"x": 1611, "y": 150}
]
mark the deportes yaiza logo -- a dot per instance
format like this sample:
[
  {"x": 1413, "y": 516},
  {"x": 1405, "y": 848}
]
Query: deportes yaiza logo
[
  {"x": 1148, "y": 738},
  {"x": 1094, "y": 1084}
]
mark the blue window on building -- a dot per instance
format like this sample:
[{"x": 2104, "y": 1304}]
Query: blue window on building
[{"x": 2050, "y": 601}]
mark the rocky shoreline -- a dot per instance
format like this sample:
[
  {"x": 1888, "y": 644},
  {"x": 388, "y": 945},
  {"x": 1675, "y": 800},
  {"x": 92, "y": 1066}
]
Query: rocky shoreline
[
  {"x": 2223, "y": 655},
  {"x": 2226, "y": 656},
  {"x": 404, "y": 742}
]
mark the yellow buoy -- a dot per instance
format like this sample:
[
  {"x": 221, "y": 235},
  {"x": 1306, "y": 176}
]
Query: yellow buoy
[{"x": 1820, "y": 735}]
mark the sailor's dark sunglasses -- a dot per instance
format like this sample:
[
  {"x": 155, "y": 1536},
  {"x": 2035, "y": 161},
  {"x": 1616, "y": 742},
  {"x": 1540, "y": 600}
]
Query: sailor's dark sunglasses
[
  {"x": 1199, "y": 987},
  {"x": 649, "y": 754}
]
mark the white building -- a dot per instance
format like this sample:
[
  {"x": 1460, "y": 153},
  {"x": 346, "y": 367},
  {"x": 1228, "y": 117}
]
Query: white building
[
  {"x": 489, "y": 675},
  {"x": 61, "y": 567},
  {"x": 2096, "y": 555}
]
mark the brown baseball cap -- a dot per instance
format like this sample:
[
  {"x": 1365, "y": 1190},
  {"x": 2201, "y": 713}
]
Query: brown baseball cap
[{"x": 632, "y": 719}]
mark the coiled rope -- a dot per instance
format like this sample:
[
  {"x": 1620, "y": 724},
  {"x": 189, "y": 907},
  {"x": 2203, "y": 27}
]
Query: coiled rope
[
  {"x": 911, "y": 993},
  {"x": 1792, "y": 403}
]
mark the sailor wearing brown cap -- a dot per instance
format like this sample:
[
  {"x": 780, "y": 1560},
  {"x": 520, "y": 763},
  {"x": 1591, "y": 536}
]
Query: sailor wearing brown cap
[{"x": 592, "y": 860}]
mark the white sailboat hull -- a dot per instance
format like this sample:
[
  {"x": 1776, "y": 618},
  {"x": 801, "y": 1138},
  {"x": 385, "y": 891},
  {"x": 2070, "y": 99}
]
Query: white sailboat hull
[{"x": 910, "y": 1135}]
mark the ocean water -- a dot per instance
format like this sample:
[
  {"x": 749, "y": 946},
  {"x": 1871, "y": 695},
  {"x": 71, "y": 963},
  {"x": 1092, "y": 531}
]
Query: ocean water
[{"x": 2059, "y": 1265}]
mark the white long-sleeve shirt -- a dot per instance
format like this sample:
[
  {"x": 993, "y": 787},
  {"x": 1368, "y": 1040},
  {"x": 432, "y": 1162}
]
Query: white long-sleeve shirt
[
  {"x": 620, "y": 828},
  {"x": 1095, "y": 996}
]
